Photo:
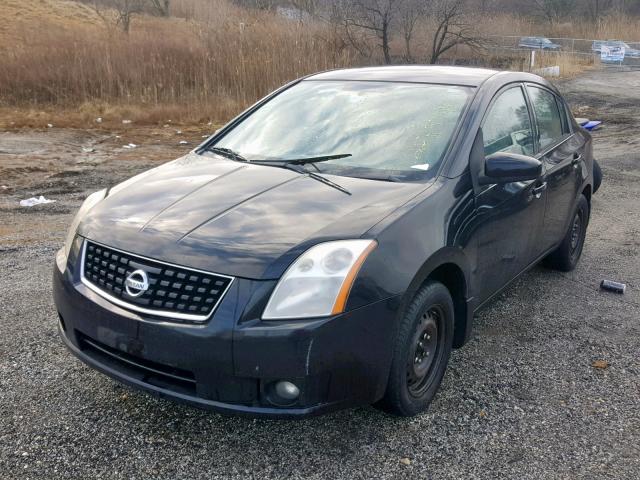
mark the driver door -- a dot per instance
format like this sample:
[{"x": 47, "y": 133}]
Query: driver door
[{"x": 510, "y": 215}]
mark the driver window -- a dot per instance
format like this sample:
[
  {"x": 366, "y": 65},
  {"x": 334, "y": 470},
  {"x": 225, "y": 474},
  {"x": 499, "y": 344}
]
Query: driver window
[{"x": 507, "y": 126}]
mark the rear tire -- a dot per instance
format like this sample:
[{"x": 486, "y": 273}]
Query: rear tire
[
  {"x": 421, "y": 352},
  {"x": 566, "y": 256},
  {"x": 597, "y": 176}
]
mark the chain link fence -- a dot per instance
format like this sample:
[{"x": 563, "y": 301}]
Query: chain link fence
[{"x": 534, "y": 52}]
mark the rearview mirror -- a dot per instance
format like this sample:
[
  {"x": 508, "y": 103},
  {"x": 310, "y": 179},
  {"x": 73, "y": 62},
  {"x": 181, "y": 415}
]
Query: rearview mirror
[{"x": 503, "y": 167}]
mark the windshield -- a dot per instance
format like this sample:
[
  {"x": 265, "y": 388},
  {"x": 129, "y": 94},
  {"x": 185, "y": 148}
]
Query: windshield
[{"x": 396, "y": 131}]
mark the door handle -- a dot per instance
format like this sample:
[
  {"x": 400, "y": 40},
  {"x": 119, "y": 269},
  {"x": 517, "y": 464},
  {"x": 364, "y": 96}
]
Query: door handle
[
  {"x": 537, "y": 191},
  {"x": 576, "y": 159}
]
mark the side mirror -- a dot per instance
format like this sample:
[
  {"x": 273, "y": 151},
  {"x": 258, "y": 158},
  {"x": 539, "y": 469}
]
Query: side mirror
[{"x": 505, "y": 167}]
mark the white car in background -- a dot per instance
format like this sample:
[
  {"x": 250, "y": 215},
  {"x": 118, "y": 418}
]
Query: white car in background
[{"x": 597, "y": 45}]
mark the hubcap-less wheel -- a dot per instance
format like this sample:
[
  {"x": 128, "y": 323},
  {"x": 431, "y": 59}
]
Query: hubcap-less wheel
[
  {"x": 425, "y": 350},
  {"x": 421, "y": 351},
  {"x": 576, "y": 231},
  {"x": 576, "y": 237},
  {"x": 565, "y": 257}
]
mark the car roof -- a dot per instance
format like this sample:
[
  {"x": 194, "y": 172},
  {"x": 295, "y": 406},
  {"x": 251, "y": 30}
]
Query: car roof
[{"x": 466, "y": 76}]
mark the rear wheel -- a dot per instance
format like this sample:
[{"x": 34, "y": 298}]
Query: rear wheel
[
  {"x": 597, "y": 176},
  {"x": 421, "y": 352},
  {"x": 567, "y": 255}
]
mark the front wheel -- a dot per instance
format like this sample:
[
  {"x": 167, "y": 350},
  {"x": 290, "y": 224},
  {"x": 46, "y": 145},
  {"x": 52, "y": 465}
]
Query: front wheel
[{"x": 421, "y": 352}]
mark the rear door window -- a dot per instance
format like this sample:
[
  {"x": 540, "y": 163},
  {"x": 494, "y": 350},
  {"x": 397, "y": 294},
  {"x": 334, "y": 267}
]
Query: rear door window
[
  {"x": 565, "y": 116},
  {"x": 507, "y": 125},
  {"x": 545, "y": 107}
]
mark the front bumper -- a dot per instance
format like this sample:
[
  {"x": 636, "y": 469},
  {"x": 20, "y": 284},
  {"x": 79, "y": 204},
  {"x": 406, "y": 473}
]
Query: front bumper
[{"x": 230, "y": 363}]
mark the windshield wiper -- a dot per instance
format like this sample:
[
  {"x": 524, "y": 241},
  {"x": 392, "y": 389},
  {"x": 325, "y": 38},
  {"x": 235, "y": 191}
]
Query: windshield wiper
[
  {"x": 304, "y": 160},
  {"x": 296, "y": 167},
  {"x": 233, "y": 155},
  {"x": 326, "y": 181},
  {"x": 228, "y": 153},
  {"x": 289, "y": 163}
]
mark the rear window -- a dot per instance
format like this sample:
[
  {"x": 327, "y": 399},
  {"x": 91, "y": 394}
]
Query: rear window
[{"x": 545, "y": 107}]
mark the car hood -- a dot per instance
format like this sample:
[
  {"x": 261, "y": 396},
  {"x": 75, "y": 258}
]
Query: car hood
[{"x": 222, "y": 216}]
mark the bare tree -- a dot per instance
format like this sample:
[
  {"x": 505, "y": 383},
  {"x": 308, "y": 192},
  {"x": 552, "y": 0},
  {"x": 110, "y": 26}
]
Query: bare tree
[
  {"x": 453, "y": 27},
  {"x": 376, "y": 17},
  {"x": 553, "y": 10},
  {"x": 123, "y": 11},
  {"x": 596, "y": 8},
  {"x": 449, "y": 23},
  {"x": 161, "y": 7},
  {"x": 411, "y": 12},
  {"x": 312, "y": 7},
  {"x": 259, "y": 4}
]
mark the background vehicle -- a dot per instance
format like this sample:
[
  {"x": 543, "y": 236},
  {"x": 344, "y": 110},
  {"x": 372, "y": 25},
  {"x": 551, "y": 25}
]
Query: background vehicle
[
  {"x": 541, "y": 43},
  {"x": 299, "y": 282},
  {"x": 629, "y": 51}
]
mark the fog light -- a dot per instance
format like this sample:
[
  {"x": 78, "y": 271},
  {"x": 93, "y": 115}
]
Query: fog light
[{"x": 287, "y": 390}]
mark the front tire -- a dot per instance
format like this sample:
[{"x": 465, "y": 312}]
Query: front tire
[
  {"x": 422, "y": 349},
  {"x": 566, "y": 256}
]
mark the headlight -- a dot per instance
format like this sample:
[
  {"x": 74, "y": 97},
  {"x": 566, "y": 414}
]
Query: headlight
[
  {"x": 88, "y": 204},
  {"x": 317, "y": 284}
]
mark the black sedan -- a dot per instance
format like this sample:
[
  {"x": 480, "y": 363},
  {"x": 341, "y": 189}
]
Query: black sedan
[{"x": 330, "y": 245}]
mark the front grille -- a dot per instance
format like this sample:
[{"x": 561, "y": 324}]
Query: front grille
[{"x": 175, "y": 292}]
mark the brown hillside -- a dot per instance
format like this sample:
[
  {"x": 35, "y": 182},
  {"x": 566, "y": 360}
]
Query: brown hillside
[{"x": 19, "y": 18}]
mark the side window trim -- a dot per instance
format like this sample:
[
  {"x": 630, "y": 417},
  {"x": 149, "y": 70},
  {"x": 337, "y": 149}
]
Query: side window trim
[
  {"x": 565, "y": 110},
  {"x": 539, "y": 153},
  {"x": 533, "y": 120}
]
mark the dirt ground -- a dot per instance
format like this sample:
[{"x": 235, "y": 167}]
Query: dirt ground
[
  {"x": 66, "y": 165},
  {"x": 522, "y": 400}
]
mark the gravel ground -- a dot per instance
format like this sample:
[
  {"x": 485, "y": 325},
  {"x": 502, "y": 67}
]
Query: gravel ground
[{"x": 521, "y": 400}]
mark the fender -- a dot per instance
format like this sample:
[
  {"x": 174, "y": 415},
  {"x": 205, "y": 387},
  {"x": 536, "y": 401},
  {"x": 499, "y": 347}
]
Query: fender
[
  {"x": 436, "y": 267},
  {"x": 587, "y": 181}
]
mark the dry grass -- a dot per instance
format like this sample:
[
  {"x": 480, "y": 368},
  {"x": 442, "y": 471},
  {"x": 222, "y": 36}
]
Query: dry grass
[
  {"x": 570, "y": 65},
  {"x": 111, "y": 115},
  {"x": 614, "y": 26},
  {"x": 61, "y": 64},
  {"x": 176, "y": 68}
]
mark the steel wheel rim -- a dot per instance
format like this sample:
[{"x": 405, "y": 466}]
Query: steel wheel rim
[
  {"x": 577, "y": 236},
  {"x": 576, "y": 230},
  {"x": 425, "y": 351}
]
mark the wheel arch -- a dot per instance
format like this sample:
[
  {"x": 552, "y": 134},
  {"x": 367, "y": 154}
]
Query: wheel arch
[{"x": 448, "y": 266}]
